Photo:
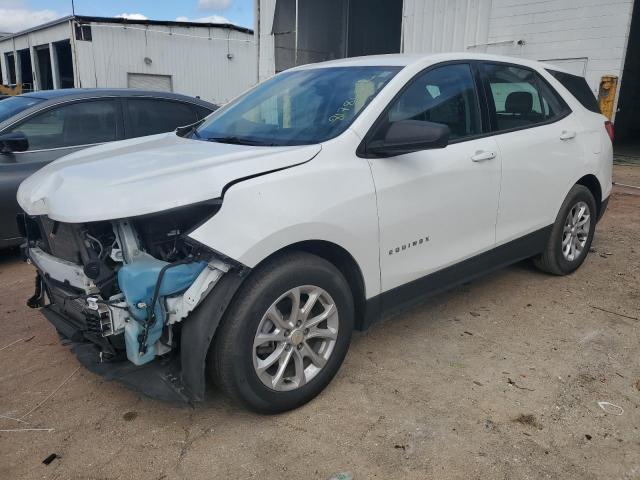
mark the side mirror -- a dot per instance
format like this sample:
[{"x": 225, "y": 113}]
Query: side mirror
[
  {"x": 13, "y": 142},
  {"x": 407, "y": 136}
]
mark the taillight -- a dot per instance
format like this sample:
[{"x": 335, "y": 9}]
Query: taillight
[{"x": 608, "y": 126}]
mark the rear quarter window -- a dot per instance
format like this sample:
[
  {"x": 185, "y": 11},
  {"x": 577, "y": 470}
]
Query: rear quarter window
[{"x": 579, "y": 88}]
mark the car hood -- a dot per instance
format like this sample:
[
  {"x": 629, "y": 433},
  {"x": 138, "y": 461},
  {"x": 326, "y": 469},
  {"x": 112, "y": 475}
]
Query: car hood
[{"x": 147, "y": 175}]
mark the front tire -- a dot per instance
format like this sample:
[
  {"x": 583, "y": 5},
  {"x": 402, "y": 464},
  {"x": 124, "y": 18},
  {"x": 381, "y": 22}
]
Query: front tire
[
  {"x": 571, "y": 235},
  {"x": 285, "y": 335}
]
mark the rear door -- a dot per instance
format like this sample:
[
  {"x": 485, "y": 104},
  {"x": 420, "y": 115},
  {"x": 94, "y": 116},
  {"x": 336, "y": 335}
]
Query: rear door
[
  {"x": 539, "y": 142},
  {"x": 150, "y": 116},
  {"x": 52, "y": 133}
]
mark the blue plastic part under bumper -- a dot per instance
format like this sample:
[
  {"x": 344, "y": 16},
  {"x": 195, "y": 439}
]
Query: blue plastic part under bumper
[{"x": 137, "y": 281}]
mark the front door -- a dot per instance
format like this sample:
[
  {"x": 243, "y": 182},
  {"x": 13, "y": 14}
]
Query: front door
[{"x": 436, "y": 207}]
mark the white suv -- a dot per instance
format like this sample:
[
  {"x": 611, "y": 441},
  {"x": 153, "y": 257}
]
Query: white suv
[{"x": 250, "y": 245}]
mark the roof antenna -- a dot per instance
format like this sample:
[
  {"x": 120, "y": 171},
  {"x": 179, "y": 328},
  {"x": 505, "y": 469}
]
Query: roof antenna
[{"x": 73, "y": 8}]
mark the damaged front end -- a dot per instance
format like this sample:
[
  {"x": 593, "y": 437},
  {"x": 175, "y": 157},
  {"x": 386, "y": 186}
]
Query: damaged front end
[{"x": 124, "y": 294}]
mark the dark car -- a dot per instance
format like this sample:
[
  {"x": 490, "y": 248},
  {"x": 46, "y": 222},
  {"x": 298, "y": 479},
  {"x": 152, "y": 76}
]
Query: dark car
[{"x": 39, "y": 127}]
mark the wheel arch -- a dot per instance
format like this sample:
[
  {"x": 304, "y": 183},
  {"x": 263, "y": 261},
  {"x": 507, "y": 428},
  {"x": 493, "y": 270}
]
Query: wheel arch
[
  {"x": 340, "y": 258},
  {"x": 591, "y": 182}
]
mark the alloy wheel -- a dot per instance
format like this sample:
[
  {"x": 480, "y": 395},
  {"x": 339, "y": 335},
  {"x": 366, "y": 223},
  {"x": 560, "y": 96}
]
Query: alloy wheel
[
  {"x": 295, "y": 338},
  {"x": 576, "y": 231}
]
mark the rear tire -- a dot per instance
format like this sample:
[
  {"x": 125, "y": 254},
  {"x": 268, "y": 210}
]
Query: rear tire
[
  {"x": 273, "y": 351},
  {"x": 571, "y": 235}
]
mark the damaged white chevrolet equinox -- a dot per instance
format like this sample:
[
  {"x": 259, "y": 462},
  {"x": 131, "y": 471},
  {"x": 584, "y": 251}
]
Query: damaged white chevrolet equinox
[{"x": 249, "y": 246}]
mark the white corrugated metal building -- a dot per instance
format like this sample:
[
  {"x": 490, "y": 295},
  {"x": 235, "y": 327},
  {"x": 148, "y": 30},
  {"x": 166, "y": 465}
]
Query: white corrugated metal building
[
  {"x": 590, "y": 38},
  {"x": 213, "y": 61}
]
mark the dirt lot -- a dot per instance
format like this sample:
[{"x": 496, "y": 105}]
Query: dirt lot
[{"x": 500, "y": 378}]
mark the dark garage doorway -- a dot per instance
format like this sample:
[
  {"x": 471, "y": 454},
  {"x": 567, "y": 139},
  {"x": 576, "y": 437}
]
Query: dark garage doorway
[
  {"x": 11, "y": 68},
  {"x": 45, "y": 74},
  {"x": 65, "y": 63},
  {"x": 330, "y": 29},
  {"x": 26, "y": 71},
  {"x": 627, "y": 120}
]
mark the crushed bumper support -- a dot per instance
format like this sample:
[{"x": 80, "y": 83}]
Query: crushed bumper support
[
  {"x": 159, "y": 379},
  {"x": 176, "y": 377}
]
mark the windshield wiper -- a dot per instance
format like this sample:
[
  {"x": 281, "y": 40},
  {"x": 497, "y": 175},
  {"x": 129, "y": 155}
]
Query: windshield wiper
[
  {"x": 189, "y": 129},
  {"x": 236, "y": 141}
]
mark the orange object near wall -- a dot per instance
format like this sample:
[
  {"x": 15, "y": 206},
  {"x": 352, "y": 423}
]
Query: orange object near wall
[{"x": 607, "y": 95}]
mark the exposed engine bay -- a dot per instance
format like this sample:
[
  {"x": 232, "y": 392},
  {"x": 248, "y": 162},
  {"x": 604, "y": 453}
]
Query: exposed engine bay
[{"x": 123, "y": 285}]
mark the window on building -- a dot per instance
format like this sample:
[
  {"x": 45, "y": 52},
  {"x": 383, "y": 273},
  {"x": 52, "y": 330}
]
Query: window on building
[
  {"x": 444, "y": 95},
  {"x": 520, "y": 97},
  {"x": 149, "y": 116},
  {"x": 83, "y": 32},
  {"x": 82, "y": 123}
]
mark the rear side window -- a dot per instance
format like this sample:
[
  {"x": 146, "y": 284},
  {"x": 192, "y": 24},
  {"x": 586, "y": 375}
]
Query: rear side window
[
  {"x": 81, "y": 123},
  {"x": 520, "y": 97},
  {"x": 149, "y": 116},
  {"x": 579, "y": 88}
]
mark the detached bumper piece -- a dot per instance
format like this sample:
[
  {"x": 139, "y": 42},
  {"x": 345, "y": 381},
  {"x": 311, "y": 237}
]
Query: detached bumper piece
[{"x": 158, "y": 379}]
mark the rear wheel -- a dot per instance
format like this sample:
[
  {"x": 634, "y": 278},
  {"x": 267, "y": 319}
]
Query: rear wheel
[
  {"x": 286, "y": 334},
  {"x": 571, "y": 235}
]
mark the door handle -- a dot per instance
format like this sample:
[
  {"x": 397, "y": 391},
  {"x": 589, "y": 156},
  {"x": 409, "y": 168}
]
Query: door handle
[
  {"x": 481, "y": 156},
  {"x": 567, "y": 135}
]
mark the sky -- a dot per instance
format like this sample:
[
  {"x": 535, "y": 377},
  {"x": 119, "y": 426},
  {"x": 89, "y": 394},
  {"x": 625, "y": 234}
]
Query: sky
[{"x": 16, "y": 15}]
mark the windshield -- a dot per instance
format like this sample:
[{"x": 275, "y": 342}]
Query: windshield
[
  {"x": 297, "y": 108},
  {"x": 10, "y": 106}
]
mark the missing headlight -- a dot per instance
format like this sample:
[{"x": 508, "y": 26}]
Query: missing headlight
[{"x": 162, "y": 234}]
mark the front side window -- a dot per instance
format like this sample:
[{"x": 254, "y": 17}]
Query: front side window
[
  {"x": 444, "y": 95},
  {"x": 520, "y": 97},
  {"x": 297, "y": 108},
  {"x": 82, "y": 123}
]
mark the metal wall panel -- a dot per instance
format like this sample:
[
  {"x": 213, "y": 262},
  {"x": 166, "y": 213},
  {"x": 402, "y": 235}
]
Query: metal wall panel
[
  {"x": 265, "y": 10},
  {"x": 565, "y": 32},
  {"x": 216, "y": 64},
  {"x": 562, "y": 31},
  {"x": 434, "y": 26}
]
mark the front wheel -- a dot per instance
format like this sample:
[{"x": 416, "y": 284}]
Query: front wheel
[
  {"x": 571, "y": 235},
  {"x": 285, "y": 335}
]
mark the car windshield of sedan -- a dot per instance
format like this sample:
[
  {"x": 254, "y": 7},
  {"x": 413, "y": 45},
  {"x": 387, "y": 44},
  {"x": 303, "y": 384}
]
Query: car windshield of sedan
[
  {"x": 297, "y": 108},
  {"x": 11, "y": 106}
]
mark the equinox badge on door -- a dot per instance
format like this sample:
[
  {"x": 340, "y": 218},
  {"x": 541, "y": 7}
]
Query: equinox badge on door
[{"x": 407, "y": 246}]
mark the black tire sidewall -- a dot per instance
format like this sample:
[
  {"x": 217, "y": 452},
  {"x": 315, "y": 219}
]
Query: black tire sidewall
[
  {"x": 577, "y": 194},
  {"x": 260, "y": 295}
]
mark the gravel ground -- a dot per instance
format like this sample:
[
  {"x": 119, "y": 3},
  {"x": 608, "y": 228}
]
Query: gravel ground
[{"x": 499, "y": 378}]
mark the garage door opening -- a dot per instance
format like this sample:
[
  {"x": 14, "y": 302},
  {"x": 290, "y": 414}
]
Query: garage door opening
[
  {"x": 307, "y": 31},
  {"x": 10, "y": 62},
  {"x": 26, "y": 72},
  {"x": 45, "y": 74},
  {"x": 627, "y": 121},
  {"x": 65, "y": 63}
]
